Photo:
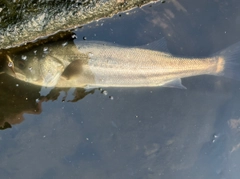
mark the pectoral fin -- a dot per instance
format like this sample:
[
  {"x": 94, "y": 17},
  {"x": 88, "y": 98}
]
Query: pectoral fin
[
  {"x": 174, "y": 84},
  {"x": 72, "y": 70}
]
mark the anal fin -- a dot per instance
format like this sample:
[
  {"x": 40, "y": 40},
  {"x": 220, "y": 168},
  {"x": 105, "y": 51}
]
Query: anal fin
[{"x": 177, "y": 83}]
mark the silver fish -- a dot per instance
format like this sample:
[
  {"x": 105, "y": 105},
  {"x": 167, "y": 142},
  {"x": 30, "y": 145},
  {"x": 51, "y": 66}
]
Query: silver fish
[{"x": 100, "y": 64}]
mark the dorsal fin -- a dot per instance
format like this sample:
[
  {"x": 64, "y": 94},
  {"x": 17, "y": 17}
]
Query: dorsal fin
[
  {"x": 79, "y": 44},
  {"x": 158, "y": 45}
]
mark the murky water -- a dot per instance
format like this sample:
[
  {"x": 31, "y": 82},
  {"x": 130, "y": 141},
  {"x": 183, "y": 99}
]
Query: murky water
[{"x": 145, "y": 133}]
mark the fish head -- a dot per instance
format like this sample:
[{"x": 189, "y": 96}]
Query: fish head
[{"x": 42, "y": 71}]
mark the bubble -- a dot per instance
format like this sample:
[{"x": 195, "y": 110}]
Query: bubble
[
  {"x": 64, "y": 44},
  {"x": 111, "y": 97},
  {"x": 10, "y": 64},
  {"x": 45, "y": 49},
  {"x": 35, "y": 52},
  {"x": 74, "y": 36},
  {"x": 17, "y": 85},
  {"x": 30, "y": 68},
  {"x": 84, "y": 38},
  {"x": 37, "y": 100},
  {"x": 215, "y": 137},
  {"x": 104, "y": 92},
  {"x": 24, "y": 57}
]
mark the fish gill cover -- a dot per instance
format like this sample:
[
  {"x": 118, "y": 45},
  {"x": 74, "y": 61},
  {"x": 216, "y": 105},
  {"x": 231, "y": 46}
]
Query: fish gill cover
[{"x": 23, "y": 21}]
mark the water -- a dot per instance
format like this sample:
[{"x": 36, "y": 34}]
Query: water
[{"x": 145, "y": 133}]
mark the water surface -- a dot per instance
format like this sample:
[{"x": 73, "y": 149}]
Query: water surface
[{"x": 142, "y": 133}]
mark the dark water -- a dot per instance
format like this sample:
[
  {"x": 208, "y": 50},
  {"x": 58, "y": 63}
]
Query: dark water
[{"x": 142, "y": 133}]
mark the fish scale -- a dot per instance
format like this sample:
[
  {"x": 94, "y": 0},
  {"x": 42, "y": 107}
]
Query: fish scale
[{"x": 92, "y": 64}]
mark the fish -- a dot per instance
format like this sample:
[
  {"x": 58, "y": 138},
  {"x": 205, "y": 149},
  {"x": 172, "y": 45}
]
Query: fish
[
  {"x": 25, "y": 21},
  {"x": 93, "y": 64}
]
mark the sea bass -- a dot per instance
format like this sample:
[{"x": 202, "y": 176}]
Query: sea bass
[{"x": 90, "y": 64}]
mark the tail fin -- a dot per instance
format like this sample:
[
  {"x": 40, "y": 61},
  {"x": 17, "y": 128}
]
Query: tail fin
[{"x": 229, "y": 61}]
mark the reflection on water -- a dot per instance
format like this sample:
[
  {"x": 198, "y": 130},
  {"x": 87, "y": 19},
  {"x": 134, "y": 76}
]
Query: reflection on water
[
  {"x": 19, "y": 98},
  {"x": 16, "y": 99}
]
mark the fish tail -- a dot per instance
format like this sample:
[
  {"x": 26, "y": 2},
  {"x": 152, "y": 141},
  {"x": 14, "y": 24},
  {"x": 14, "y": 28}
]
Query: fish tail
[{"x": 228, "y": 62}]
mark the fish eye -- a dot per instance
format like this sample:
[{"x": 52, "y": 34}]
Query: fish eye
[{"x": 21, "y": 64}]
